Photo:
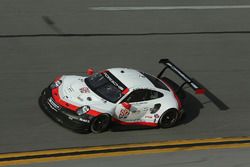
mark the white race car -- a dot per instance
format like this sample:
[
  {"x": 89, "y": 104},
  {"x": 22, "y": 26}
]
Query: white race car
[{"x": 121, "y": 95}]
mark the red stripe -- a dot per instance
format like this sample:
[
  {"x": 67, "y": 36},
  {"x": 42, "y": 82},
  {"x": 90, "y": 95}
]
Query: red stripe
[
  {"x": 200, "y": 91},
  {"x": 175, "y": 95},
  {"x": 59, "y": 101},
  {"x": 93, "y": 113},
  {"x": 135, "y": 123},
  {"x": 125, "y": 91}
]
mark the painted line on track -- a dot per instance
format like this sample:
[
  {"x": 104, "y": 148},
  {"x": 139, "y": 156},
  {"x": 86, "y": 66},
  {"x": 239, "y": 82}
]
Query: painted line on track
[
  {"x": 127, "y": 8},
  {"x": 121, "y": 150}
]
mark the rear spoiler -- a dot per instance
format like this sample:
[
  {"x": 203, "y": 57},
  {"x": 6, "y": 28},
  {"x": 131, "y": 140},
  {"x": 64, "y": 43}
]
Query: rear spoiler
[{"x": 168, "y": 64}]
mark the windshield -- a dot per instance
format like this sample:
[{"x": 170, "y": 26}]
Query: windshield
[{"x": 99, "y": 84}]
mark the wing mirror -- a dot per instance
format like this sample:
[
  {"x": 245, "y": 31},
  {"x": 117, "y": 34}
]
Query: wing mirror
[
  {"x": 90, "y": 72},
  {"x": 126, "y": 105}
]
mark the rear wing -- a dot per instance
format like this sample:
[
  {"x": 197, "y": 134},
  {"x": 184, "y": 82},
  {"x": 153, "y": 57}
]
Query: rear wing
[{"x": 168, "y": 64}]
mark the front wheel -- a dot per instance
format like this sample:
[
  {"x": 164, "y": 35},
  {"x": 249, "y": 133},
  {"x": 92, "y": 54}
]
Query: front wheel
[
  {"x": 168, "y": 118},
  {"x": 100, "y": 123}
]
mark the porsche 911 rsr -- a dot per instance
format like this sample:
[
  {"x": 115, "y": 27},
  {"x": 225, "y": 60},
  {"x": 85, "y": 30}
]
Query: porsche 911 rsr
[{"x": 121, "y": 95}]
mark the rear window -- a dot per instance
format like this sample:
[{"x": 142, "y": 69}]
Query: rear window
[{"x": 156, "y": 82}]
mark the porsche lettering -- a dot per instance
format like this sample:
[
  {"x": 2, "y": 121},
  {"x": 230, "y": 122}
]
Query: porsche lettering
[{"x": 112, "y": 81}]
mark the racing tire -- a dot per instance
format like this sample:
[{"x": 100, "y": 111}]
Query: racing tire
[
  {"x": 168, "y": 118},
  {"x": 100, "y": 123}
]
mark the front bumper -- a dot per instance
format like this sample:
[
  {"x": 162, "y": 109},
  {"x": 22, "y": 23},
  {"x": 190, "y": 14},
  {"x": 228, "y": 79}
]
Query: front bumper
[{"x": 63, "y": 115}]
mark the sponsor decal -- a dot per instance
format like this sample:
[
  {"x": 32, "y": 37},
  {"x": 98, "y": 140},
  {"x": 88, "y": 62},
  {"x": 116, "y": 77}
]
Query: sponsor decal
[
  {"x": 149, "y": 116},
  {"x": 124, "y": 113},
  {"x": 156, "y": 116},
  {"x": 179, "y": 72},
  {"x": 80, "y": 119},
  {"x": 84, "y": 90},
  {"x": 53, "y": 105},
  {"x": 71, "y": 89},
  {"x": 84, "y": 120},
  {"x": 79, "y": 98}
]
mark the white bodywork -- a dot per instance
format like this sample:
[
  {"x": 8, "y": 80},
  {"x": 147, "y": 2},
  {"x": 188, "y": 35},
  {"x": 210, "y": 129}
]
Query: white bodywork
[{"x": 75, "y": 91}]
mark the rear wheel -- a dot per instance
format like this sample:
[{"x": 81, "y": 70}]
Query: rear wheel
[
  {"x": 169, "y": 118},
  {"x": 100, "y": 123}
]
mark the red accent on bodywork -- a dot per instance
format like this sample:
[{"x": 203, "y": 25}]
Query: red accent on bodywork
[
  {"x": 135, "y": 123},
  {"x": 59, "y": 101},
  {"x": 125, "y": 91},
  {"x": 175, "y": 95},
  {"x": 200, "y": 91},
  {"x": 57, "y": 78},
  {"x": 93, "y": 113},
  {"x": 126, "y": 105},
  {"x": 90, "y": 71}
]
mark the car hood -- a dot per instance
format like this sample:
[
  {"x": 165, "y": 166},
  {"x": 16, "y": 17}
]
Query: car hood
[{"x": 75, "y": 91}]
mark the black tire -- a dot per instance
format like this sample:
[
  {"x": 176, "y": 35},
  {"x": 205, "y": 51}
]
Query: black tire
[
  {"x": 100, "y": 123},
  {"x": 168, "y": 118}
]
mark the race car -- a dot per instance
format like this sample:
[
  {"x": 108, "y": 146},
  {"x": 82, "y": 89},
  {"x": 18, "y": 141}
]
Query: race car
[{"x": 117, "y": 95}]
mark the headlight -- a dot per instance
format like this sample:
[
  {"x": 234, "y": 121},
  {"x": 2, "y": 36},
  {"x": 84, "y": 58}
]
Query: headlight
[
  {"x": 82, "y": 110},
  {"x": 56, "y": 84}
]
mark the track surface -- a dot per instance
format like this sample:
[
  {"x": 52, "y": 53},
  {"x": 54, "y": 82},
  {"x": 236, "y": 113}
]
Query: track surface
[
  {"x": 232, "y": 158},
  {"x": 219, "y": 61}
]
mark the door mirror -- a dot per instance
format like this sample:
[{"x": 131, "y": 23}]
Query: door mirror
[
  {"x": 90, "y": 72},
  {"x": 126, "y": 105}
]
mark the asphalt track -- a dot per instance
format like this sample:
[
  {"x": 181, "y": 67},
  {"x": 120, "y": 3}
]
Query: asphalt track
[
  {"x": 208, "y": 158},
  {"x": 40, "y": 40}
]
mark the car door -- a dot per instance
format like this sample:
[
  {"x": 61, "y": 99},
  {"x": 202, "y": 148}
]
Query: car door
[{"x": 140, "y": 104}]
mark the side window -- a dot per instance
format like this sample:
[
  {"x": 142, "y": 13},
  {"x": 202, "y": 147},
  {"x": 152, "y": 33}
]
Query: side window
[
  {"x": 142, "y": 95},
  {"x": 136, "y": 96},
  {"x": 151, "y": 94}
]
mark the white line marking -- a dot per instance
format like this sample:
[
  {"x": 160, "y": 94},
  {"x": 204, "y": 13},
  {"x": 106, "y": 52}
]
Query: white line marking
[{"x": 171, "y": 8}]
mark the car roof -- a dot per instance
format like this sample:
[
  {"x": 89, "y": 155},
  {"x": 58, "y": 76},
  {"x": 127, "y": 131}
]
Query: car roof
[{"x": 131, "y": 78}]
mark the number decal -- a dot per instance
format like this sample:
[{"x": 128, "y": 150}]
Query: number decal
[{"x": 124, "y": 113}]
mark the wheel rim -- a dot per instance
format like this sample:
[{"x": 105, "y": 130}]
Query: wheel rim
[
  {"x": 101, "y": 123},
  {"x": 169, "y": 118}
]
